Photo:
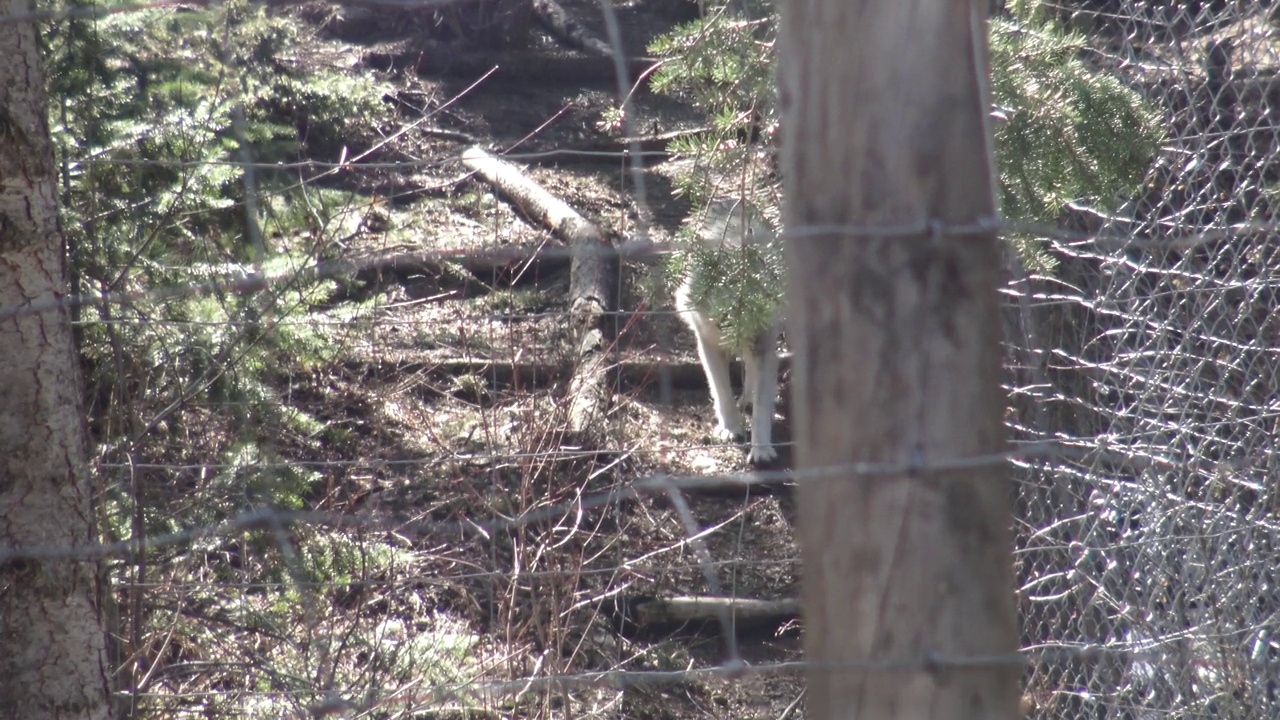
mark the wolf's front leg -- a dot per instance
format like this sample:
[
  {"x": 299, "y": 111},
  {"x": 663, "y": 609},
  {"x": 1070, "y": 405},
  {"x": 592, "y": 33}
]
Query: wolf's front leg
[
  {"x": 715, "y": 363},
  {"x": 763, "y": 393}
]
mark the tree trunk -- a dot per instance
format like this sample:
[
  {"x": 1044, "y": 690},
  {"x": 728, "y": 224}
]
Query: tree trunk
[
  {"x": 897, "y": 361},
  {"x": 53, "y": 663}
]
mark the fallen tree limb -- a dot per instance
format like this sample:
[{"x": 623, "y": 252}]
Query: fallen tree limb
[
  {"x": 438, "y": 59},
  {"x": 568, "y": 31},
  {"x": 652, "y": 147},
  {"x": 507, "y": 266},
  {"x": 489, "y": 270},
  {"x": 485, "y": 259},
  {"x": 649, "y": 616},
  {"x": 643, "y": 376},
  {"x": 593, "y": 282}
]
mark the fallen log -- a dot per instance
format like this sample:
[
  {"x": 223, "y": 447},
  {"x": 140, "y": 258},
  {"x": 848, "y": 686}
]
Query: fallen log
[
  {"x": 567, "y": 30},
  {"x": 653, "y": 148},
  {"x": 476, "y": 272},
  {"x": 465, "y": 275},
  {"x": 439, "y": 59},
  {"x": 650, "y": 616},
  {"x": 641, "y": 376},
  {"x": 593, "y": 283}
]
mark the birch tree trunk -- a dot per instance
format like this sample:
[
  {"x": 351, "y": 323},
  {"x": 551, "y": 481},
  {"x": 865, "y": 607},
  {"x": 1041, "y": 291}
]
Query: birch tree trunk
[
  {"x": 897, "y": 360},
  {"x": 52, "y": 654}
]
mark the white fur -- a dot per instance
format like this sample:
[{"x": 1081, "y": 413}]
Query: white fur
[{"x": 760, "y": 359}]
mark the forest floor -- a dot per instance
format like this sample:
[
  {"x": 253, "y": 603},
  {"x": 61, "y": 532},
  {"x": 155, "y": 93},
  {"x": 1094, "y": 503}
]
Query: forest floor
[{"x": 455, "y": 385}]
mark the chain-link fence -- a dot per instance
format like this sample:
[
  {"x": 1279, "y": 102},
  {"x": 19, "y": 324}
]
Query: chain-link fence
[{"x": 1152, "y": 351}]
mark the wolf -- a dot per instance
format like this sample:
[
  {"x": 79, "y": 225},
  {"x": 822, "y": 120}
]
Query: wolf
[{"x": 734, "y": 223}]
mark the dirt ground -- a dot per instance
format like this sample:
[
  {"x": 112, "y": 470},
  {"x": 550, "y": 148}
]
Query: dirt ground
[{"x": 454, "y": 385}]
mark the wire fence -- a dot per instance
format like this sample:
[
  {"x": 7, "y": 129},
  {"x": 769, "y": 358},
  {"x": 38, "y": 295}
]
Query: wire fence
[
  {"x": 1165, "y": 358},
  {"x": 367, "y": 501}
]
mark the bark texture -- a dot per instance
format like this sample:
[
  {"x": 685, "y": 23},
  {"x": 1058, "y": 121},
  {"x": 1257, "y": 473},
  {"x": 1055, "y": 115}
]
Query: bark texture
[
  {"x": 897, "y": 360},
  {"x": 53, "y": 663}
]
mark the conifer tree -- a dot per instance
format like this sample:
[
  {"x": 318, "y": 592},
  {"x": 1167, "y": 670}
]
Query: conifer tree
[{"x": 1065, "y": 130}]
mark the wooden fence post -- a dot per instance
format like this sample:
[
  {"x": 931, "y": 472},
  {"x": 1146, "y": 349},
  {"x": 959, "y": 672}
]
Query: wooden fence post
[{"x": 908, "y": 580}]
